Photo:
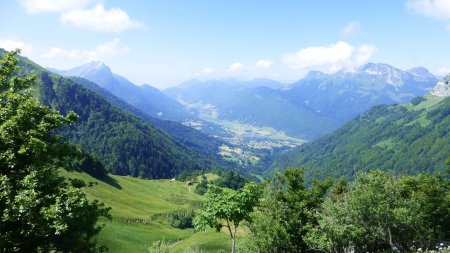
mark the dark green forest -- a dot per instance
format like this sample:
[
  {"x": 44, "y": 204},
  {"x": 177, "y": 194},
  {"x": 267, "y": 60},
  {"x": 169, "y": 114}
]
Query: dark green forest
[
  {"x": 203, "y": 144},
  {"x": 124, "y": 143}
]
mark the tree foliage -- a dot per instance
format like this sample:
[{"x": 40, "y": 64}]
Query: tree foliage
[
  {"x": 286, "y": 212},
  {"x": 39, "y": 211},
  {"x": 227, "y": 206},
  {"x": 381, "y": 212}
]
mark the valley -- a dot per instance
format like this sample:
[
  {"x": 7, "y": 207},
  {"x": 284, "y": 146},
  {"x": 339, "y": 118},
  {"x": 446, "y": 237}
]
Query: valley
[
  {"x": 201, "y": 126},
  {"x": 244, "y": 143}
]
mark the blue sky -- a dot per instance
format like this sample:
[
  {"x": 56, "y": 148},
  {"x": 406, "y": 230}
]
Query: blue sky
[{"x": 163, "y": 43}]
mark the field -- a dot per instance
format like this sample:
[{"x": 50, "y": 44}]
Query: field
[{"x": 140, "y": 211}]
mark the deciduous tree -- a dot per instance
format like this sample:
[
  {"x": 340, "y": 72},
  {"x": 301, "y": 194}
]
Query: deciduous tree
[
  {"x": 227, "y": 208},
  {"x": 39, "y": 210}
]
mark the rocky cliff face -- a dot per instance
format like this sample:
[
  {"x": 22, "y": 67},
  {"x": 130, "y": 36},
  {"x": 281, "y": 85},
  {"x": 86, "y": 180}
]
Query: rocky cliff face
[{"x": 442, "y": 88}]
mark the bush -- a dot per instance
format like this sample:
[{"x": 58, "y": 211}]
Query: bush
[{"x": 181, "y": 220}]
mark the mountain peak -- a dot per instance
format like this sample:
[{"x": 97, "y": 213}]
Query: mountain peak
[
  {"x": 377, "y": 68},
  {"x": 88, "y": 69},
  {"x": 391, "y": 75},
  {"x": 315, "y": 74},
  {"x": 420, "y": 73}
]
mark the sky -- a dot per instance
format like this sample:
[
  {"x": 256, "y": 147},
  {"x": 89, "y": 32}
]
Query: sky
[{"x": 166, "y": 42}]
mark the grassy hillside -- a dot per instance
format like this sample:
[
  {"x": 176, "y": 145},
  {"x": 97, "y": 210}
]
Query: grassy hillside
[
  {"x": 140, "y": 210},
  {"x": 406, "y": 139}
]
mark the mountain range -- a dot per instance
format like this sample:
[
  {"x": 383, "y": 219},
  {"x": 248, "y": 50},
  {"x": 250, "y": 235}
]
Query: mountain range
[
  {"x": 309, "y": 108},
  {"x": 255, "y": 105},
  {"x": 348, "y": 93},
  {"x": 145, "y": 97},
  {"x": 398, "y": 125}
]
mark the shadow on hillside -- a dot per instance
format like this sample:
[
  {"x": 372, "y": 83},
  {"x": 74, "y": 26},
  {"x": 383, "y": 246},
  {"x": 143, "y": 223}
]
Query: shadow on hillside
[{"x": 109, "y": 180}]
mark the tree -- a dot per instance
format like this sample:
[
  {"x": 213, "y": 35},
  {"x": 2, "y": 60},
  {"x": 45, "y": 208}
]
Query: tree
[
  {"x": 39, "y": 210},
  {"x": 232, "y": 207},
  {"x": 286, "y": 212},
  {"x": 379, "y": 212},
  {"x": 232, "y": 180}
]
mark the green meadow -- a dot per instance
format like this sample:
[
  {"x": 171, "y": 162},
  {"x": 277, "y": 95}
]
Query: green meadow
[{"x": 140, "y": 210}]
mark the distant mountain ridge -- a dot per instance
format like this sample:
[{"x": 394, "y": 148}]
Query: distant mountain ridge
[
  {"x": 146, "y": 98},
  {"x": 348, "y": 93},
  {"x": 311, "y": 107},
  {"x": 254, "y": 104}
]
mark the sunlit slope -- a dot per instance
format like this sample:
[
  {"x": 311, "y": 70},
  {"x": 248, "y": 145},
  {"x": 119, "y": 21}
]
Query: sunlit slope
[{"x": 140, "y": 211}]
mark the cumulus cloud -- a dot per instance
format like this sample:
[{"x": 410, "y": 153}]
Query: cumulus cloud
[
  {"x": 263, "y": 64},
  {"x": 364, "y": 53},
  {"x": 334, "y": 56},
  {"x": 351, "y": 28},
  {"x": 81, "y": 14},
  {"x": 12, "y": 44},
  {"x": 37, "y": 6},
  {"x": 236, "y": 67},
  {"x": 106, "y": 50},
  {"x": 100, "y": 19},
  {"x": 439, "y": 9}
]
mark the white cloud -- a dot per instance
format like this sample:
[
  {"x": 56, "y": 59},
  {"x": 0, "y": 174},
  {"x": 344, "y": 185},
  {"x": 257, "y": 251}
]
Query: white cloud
[
  {"x": 81, "y": 14},
  {"x": 207, "y": 71},
  {"x": 101, "y": 20},
  {"x": 335, "y": 56},
  {"x": 439, "y": 9},
  {"x": 351, "y": 28},
  {"x": 12, "y": 44},
  {"x": 263, "y": 64},
  {"x": 443, "y": 71},
  {"x": 106, "y": 50},
  {"x": 236, "y": 67},
  {"x": 37, "y": 6}
]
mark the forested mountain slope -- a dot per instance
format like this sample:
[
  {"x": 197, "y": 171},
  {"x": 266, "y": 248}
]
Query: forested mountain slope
[
  {"x": 126, "y": 144},
  {"x": 202, "y": 143},
  {"x": 407, "y": 139}
]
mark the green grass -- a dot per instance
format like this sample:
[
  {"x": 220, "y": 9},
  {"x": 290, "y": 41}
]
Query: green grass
[
  {"x": 427, "y": 104},
  {"x": 386, "y": 144},
  {"x": 209, "y": 177},
  {"x": 140, "y": 208}
]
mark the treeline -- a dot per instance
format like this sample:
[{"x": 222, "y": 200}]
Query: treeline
[
  {"x": 408, "y": 139},
  {"x": 376, "y": 212}
]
